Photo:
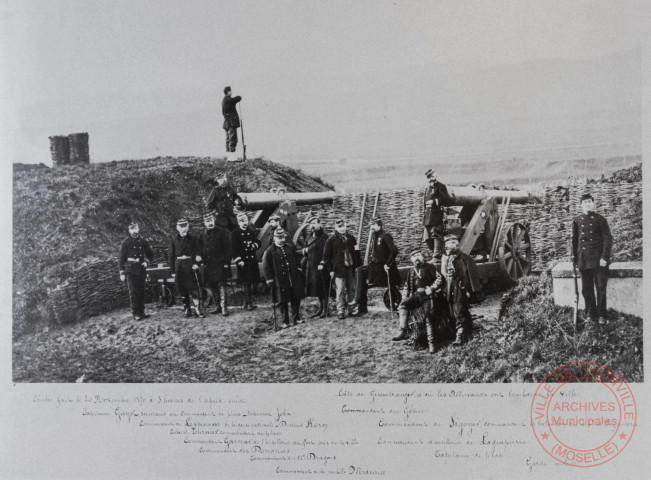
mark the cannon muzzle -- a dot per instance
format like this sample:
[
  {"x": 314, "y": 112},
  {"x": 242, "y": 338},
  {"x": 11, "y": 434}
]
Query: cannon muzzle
[
  {"x": 263, "y": 201},
  {"x": 467, "y": 196}
]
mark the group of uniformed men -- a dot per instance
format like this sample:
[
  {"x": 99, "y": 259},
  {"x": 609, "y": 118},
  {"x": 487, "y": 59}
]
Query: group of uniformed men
[{"x": 324, "y": 260}]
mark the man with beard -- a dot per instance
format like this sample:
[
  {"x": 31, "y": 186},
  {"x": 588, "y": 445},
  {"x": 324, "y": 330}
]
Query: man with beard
[
  {"x": 591, "y": 246},
  {"x": 424, "y": 289},
  {"x": 184, "y": 256},
  {"x": 316, "y": 284},
  {"x": 135, "y": 254},
  {"x": 436, "y": 196},
  {"x": 281, "y": 270},
  {"x": 382, "y": 267},
  {"x": 245, "y": 246},
  {"x": 215, "y": 245},
  {"x": 460, "y": 272},
  {"x": 221, "y": 200},
  {"x": 339, "y": 259}
]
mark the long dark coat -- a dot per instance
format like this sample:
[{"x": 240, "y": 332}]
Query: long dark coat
[
  {"x": 433, "y": 212},
  {"x": 231, "y": 118},
  {"x": 462, "y": 278},
  {"x": 183, "y": 246},
  {"x": 591, "y": 240},
  {"x": 215, "y": 248},
  {"x": 245, "y": 245},
  {"x": 383, "y": 252},
  {"x": 333, "y": 253},
  {"x": 316, "y": 282},
  {"x": 281, "y": 264}
]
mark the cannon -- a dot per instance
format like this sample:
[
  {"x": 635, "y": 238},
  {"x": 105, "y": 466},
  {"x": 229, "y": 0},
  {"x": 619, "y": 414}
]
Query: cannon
[
  {"x": 502, "y": 250},
  {"x": 285, "y": 205}
]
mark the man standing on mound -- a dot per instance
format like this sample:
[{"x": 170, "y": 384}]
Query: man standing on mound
[
  {"x": 135, "y": 253},
  {"x": 184, "y": 255},
  {"x": 280, "y": 267},
  {"x": 231, "y": 120},
  {"x": 591, "y": 246}
]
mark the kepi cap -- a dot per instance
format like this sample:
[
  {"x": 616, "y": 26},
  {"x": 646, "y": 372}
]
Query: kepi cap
[
  {"x": 340, "y": 222},
  {"x": 280, "y": 233},
  {"x": 586, "y": 196},
  {"x": 450, "y": 236},
  {"x": 182, "y": 222}
]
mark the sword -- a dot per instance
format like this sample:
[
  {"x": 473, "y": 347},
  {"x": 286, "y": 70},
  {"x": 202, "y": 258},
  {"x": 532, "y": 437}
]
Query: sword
[{"x": 390, "y": 299}]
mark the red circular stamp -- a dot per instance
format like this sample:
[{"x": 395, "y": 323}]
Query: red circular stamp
[{"x": 583, "y": 414}]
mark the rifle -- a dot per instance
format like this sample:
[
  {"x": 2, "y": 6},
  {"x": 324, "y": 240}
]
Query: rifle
[
  {"x": 358, "y": 254},
  {"x": 368, "y": 242},
  {"x": 242, "y": 128},
  {"x": 390, "y": 299}
]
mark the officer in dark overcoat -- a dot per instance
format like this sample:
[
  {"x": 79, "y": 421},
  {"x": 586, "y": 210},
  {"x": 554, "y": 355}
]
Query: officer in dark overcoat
[
  {"x": 215, "y": 246},
  {"x": 340, "y": 260},
  {"x": 435, "y": 198},
  {"x": 316, "y": 277},
  {"x": 461, "y": 275},
  {"x": 280, "y": 266},
  {"x": 245, "y": 245},
  {"x": 184, "y": 258},
  {"x": 425, "y": 288},
  {"x": 382, "y": 266},
  {"x": 231, "y": 118},
  {"x": 591, "y": 247},
  {"x": 135, "y": 254},
  {"x": 221, "y": 200}
]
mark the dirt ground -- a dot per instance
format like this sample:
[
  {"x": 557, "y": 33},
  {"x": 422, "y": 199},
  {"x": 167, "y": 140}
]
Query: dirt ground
[{"x": 239, "y": 348}]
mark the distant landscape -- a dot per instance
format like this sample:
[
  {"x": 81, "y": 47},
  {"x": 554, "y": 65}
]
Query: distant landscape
[{"x": 529, "y": 172}]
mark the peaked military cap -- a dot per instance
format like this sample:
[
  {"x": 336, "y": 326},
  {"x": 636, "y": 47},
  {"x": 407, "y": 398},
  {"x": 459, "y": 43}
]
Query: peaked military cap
[
  {"x": 279, "y": 233},
  {"x": 415, "y": 252},
  {"x": 274, "y": 217},
  {"x": 133, "y": 224},
  {"x": 182, "y": 222},
  {"x": 340, "y": 222},
  {"x": 450, "y": 236},
  {"x": 242, "y": 216},
  {"x": 430, "y": 172},
  {"x": 586, "y": 196},
  {"x": 208, "y": 214}
]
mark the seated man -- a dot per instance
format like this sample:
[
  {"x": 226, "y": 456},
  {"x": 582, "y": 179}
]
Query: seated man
[{"x": 424, "y": 289}]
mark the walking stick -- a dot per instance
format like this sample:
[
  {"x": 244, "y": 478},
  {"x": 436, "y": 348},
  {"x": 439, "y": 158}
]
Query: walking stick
[
  {"x": 129, "y": 288},
  {"x": 576, "y": 291},
  {"x": 328, "y": 297},
  {"x": 273, "y": 306},
  {"x": 197, "y": 303},
  {"x": 390, "y": 296},
  {"x": 242, "y": 128}
]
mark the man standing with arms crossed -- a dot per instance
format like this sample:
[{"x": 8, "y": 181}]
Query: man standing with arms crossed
[{"x": 436, "y": 196}]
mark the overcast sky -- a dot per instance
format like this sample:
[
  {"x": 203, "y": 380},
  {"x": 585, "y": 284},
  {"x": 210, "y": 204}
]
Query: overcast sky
[{"x": 319, "y": 78}]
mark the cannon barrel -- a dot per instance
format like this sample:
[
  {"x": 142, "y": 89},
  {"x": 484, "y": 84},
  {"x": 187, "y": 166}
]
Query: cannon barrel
[
  {"x": 262, "y": 201},
  {"x": 467, "y": 196}
]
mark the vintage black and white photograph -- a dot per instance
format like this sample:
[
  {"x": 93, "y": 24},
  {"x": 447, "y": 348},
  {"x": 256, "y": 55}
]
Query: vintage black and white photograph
[{"x": 325, "y": 192}]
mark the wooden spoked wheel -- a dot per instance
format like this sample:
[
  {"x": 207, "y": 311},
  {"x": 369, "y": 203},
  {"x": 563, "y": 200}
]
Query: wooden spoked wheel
[
  {"x": 515, "y": 251},
  {"x": 300, "y": 237}
]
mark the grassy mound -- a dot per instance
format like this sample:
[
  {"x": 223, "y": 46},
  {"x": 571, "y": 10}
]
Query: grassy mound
[
  {"x": 534, "y": 336},
  {"x": 66, "y": 217}
]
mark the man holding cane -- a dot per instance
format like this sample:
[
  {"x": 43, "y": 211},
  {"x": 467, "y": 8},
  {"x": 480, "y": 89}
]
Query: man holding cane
[{"x": 135, "y": 254}]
